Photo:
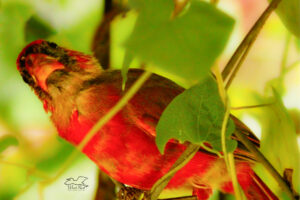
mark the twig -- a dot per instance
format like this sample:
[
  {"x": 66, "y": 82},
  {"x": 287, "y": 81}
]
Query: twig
[
  {"x": 237, "y": 188},
  {"x": 220, "y": 83},
  {"x": 228, "y": 160},
  {"x": 250, "y": 38},
  {"x": 239, "y": 64},
  {"x": 101, "y": 45},
  {"x": 184, "y": 158},
  {"x": 261, "y": 158},
  {"x": 229, "y": 163},
  {"x": 211, "y": 150},
  {"x": 182, "y": 198},
  {"x": 252, "y": 106},
  {"x": 106, "y": 188}
]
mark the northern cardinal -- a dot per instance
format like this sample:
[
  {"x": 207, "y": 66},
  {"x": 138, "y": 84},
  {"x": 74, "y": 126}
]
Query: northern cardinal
[{"x": 77, "y": 92}]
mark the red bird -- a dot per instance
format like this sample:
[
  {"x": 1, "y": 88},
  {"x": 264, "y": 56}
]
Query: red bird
[{"x": 77, "y": 92}]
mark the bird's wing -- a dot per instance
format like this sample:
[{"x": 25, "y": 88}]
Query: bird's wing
[
  {"x": 146, "y": 107},
  {"x": 159, "y": 92},
  {"x": 150, "y": 101}
]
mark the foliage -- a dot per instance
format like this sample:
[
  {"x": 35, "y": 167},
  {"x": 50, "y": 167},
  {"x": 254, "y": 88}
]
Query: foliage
[
  {"x": 186, "y": 45},
  {"x": 29, "y": 146},
  {"x": 196, "y": 115},
  {"x": 182, "y": 46}
]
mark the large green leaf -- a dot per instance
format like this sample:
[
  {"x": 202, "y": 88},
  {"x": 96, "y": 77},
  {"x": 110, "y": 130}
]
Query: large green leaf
[
  {"x": 196, "y": 115},
  {"x": 186, "y": 45},
  {"x": 279, "y": 139}
]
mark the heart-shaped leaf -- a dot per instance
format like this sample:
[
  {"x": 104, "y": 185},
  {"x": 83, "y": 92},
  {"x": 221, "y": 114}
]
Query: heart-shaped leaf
[
  {"x": 196, "y": 115},
  {"x": 186, "y": 45}
]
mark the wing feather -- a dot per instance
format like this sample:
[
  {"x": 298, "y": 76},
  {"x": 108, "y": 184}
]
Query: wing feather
[{"x": 145, "y": 109}]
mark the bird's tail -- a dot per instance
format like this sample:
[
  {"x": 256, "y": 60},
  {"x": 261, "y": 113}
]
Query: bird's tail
[{"x": 258, "y": 190}]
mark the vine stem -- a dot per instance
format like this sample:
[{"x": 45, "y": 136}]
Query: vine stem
[
  {"x": 184, "y": 158},
  {"x": 250, "y": 38},
  {"x": 228, "y": 156},
  {"x": 238, "y": 192},
  {"x": 252, "y": 106}
]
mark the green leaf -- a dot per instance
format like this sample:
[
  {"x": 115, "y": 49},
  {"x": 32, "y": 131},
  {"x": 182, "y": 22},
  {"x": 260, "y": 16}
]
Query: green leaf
[
  {"x": 37, "y": 29},
  {"x": 289, "y": 13},
  {"x": 7, "y": 141},
  {"x": 279, "y": 131},
  {"x": 196, "y": 115},
  {"x": 185, "y": 46}
]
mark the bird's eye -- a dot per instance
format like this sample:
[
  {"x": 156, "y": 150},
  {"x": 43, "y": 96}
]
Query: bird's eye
[
  {"x": 52, "y": 44},
  {"x": 29, "y": 62}
]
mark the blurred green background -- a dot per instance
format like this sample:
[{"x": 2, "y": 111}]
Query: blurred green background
[
  {"x": 70, "y": 23},
  {"x": 30, "y": 148}
]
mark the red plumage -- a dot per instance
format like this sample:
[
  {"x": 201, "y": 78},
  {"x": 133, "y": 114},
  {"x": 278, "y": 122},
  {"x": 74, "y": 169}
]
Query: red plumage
[{"x": 78, "y": 93}]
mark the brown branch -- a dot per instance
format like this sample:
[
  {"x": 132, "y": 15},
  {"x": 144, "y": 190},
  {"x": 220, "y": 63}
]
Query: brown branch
[
  {"x": 182, "y": 198},
  {"x": 106, "y": 188},
  {"x": 262, "y": 159},
  {"x": 238, "y": 65},
  {"x": 248, "y": 40},
  {"x": 101, "y": 41}
]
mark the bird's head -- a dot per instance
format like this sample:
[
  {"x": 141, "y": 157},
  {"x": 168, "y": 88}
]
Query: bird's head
[{"x": 51, "y": 70}]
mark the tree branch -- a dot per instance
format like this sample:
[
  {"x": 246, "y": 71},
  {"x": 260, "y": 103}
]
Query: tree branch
[
  {"x": 106, "y": 188},
  {"x": 249, "y": 39},
  {"x": 182, "y": 198},
  {"x": 262, "y": 159}
]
